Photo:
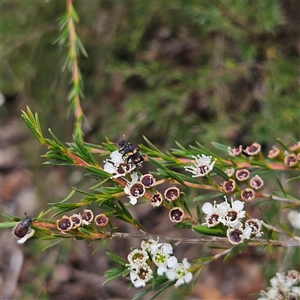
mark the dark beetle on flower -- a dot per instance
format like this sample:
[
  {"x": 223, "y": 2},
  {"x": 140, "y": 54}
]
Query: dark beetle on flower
[
  {"x": 22, "y": 228},
  {"x": 130, "y": 153}
]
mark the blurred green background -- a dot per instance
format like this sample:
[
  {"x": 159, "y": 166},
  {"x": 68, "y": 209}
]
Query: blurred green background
[
  {"x": 186, "y": 71},
  {"x": 225, "y": 71}
]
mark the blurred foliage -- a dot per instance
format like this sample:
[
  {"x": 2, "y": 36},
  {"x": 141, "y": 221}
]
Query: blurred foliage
[{"x": 172, "y": 70}]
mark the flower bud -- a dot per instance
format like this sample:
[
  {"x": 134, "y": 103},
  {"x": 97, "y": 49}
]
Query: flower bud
[
  {"x": 101, "y": 220},
  {"x": 172, "y": 194},
  {"x": 247, "y": 194},
  {"x": 64, "y": 224},
  {"x": 235, "y": 151},
  {"x": 235, "y": 236},
  {"x": 156, "y": 199},
  {"x": 229, "y": 186},
  {"x": 87, "y": 217},
  {"x": 242, "y": 174},
  {"x": 255, "y": 226},
  {"x": 148, "y": 180},
  {"x": 229, "y": 172},
  {"x": 253, "y": 149},
  {"x": 76, "y": 220},
  {"x": 275, "y": 152},
  {"x": 291, "y": 160},
  {"x": 256, "y": 182},
  {"x": 176, "y": 214},
  {"x": 137, "y": 190}
]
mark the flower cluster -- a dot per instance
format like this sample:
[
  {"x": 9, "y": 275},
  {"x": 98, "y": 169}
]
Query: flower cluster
[
  {"x": 283, "y": 287},
  {"x": 251, "y": 150},
  {"x": 290, "y": 157},
  {"x": 159, "y": 255},
  {"x": 137, "y": 186},
  {"x": 242, "y": 176},
  {"x": 232, "y": 216},
  {"x": 67, "y": 223}
]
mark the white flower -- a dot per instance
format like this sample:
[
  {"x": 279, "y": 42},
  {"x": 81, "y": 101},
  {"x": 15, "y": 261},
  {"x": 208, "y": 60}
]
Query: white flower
[
  {"x": 150, "y": 245},
  {"x": 140, "y": 275},
  {"x": 231, "y": 215},
  {"x": 134, "y": 189},
  {"x": 294, "y": 218},
  {"x": 283, "y": 287},
  {"x": 202, "y": 165},
  {"x": 137, "y": 257},
  {"x": 181, "y": 273},
  {"x": 238, "y": 234},
  {"x": 212, "y": 214},
  {"x": 172, "y": 262},
  {"x": 161, "y": 261},
  {"x": 255, "y": 226},
  {"x": 116, "y": 165},
  {"x": 27, "y": 236},
  {"x": 167, "y": 248}
]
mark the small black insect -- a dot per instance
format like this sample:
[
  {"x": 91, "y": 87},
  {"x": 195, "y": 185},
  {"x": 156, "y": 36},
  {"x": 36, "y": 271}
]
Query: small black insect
[
  {"x": 22, "y": 228},
  {"x": 131, "y": 153}
]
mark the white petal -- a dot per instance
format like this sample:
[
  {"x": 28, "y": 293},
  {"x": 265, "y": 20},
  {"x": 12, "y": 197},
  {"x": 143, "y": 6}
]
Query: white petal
[
  {"x": 134, "y": 178},
  {"x": 127, "y": 190},
  {"x": 28, "y": 235},
  {"x": 207, "y": 208},
  {"x": 185, "y": 263},
  {"x": 238, "y": 205},
  {"x": 109, "y": 168},
  {"x": 171, "y": 274},
  {"x": 161, "y": 270},
  {"x": 172, "y": 262},
  {"x": 179, "y": 282},
  {"x": 133, "y": 200},
  {"x": 167, "y": 248},
  {"x": 188, "y": 277},
  {"x": 116, "y": 157}
]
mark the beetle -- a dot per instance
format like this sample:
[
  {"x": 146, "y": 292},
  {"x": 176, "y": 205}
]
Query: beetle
[
  {"x": 22, "y": 227},
  {"x": 131, "y": 153}
]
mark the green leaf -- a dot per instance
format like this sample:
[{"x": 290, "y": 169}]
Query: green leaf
[
  {"x": 8, "y": 217},
  {"x": 207, "y": 196},
  {"x": 164, "y": 287},
  {"x": 82, "y": 152},
  {"x": 85, "y": 230},
  {"x": 214, "y": 231},
  {"x": 293, "y": 178},
  {"x": 156, "y": 163},
  {"x": 221, "y": 173},
  {"x": 32, "y": 122},
  {"x": 220, "y": 147},
  {"x": 98, "y": 172},
  {"x": 7, "y": 225},
  {"x": 285, "y": 229},
  {"x": 236, "y": 249},
  {"x": 281, "y": 186},
  {"x": 175, "y": 176},
  {"x": 259, "y": 163},
  {"x": 59, "y": 143},
  {"x": 283, "y": 145},
  {"x": 116, "y": 258},
  {"x": 114, "y": 274},
  {"x": 53, "y": 244}
]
